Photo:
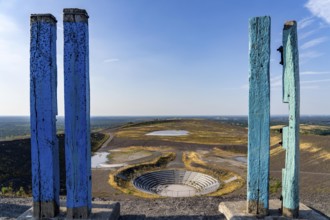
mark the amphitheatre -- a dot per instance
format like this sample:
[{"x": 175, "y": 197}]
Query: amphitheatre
[
  {"x": 169, "y": 168},
  {"x": 155, "y": 176},
  {"x": 206, "y": 165},
  {"x": 176, "y": 166}
]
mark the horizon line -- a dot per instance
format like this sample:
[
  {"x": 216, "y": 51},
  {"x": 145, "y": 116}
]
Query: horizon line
[{"x": 174, "y": 115}]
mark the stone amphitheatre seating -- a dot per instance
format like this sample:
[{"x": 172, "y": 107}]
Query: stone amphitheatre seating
[{"x": 156, "y": 182}]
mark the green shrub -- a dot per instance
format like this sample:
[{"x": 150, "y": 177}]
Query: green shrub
[
  {"x": 6, "y": 190},
  {"x": 21, "y": 192},
  {"x": 275, "y": 185}
]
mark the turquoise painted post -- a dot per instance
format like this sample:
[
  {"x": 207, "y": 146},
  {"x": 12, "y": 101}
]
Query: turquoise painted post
[
  {"x": 77, "y": 113},
  {"x": 259, "y": 112},
  {"x": 43, "y": 111},
  {"x": 291, "y": 95}
]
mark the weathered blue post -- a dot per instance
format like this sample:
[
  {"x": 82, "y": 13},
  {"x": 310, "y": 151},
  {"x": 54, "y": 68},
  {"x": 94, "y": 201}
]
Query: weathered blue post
[
  {"x": 291, "y": 95},
  {"x": 77, "y": 113},
  {"x": 259, "y": 112},
  {"x": 43, "y": 108}
]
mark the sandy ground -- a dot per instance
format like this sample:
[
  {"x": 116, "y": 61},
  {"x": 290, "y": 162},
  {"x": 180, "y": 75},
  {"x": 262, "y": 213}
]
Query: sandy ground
[
  {"x": 167, "y": 208},
  {"x": 202, "y": 208},
  {"x": 314, "y": 184}
]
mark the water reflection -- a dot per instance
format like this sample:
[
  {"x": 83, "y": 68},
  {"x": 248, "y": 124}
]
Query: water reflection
[
  {"x": 99, "y": 158},
  {"x": 241, "y": 159},
  {"x": 169, "y": 133}
]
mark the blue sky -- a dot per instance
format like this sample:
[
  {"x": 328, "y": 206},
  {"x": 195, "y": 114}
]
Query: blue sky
[{"x": 170, "y": 57}]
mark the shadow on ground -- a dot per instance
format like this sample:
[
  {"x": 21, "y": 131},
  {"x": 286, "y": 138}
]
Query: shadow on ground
[{"x": 11, "y": 210}]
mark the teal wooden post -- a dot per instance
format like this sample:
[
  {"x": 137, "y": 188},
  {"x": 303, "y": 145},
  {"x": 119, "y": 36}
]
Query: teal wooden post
[
  {"x": 259, "y": 112},
  {"x": 291, "y": 95},
  {"x": 43, "y": 111},
  {"x": 77, "y": 113}
]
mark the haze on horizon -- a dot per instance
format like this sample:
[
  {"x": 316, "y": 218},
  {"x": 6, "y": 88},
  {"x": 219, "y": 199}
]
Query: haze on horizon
[{"x": 170, "y": 57}]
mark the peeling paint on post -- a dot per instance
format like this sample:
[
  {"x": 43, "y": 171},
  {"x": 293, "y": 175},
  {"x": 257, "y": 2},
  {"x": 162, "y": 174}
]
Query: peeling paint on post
[
  {"x": 291, "y": 95},
  {"x": 259, "y": 112},
  {"x": 43, "y": 109},
  {"x": 77, "y": 113}
]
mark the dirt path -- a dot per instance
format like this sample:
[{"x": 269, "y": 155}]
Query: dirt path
[
  {"x": 145, "y": 159},
  {"x": 106, "y": 144},
  {"x": 177, "y": 162},
  {"x": 193, "y": 208}
]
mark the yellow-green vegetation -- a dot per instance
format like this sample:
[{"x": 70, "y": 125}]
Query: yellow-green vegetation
[
  {"x": 314, "y": 147},
  {"x": 322, "y": 130},
  {"x": 200, "y": 132},
  {"x": 9, "y": 191},
  {"x": 97, "y": 140},
  {"x": 318, "y": 152},
  {"x": 276, "y": 151},
  {"x": 223, "y": 153},
  {"x": 275, "y": 185},
  {"x": 15, "y": 164},
  {"x": 275, "y": 140},
  {"x": 193, "y": 162},
  {"x": 129, "y": 154},
  {"x": 121, "y": 179},
  {"x": 315, "y": 129}
]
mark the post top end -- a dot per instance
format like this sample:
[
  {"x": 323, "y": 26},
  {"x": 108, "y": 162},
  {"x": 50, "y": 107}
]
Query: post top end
[
  {"x": 43, "y": 18},
  {"x": 289, "y": 24},
  {"x": 265, "y": 17},
  {"x": 75, "y": 15}
]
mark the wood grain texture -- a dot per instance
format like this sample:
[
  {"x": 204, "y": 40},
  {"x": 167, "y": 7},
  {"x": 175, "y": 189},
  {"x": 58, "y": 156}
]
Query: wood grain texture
[
  {"x": 291, "y": 95},
  {"x": 43, "y": 111},
  {"x": 259, "y": 113},
  {"x": 77, "y": 114}
]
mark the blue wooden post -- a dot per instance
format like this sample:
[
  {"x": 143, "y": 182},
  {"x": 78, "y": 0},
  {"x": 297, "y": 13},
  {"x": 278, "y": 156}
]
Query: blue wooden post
[
  {"x": 43, "y": 108},
  {"x": 77, "y": 113},
  {"x": 259, "y": 112},
  {"x": 291, "y": 95}
]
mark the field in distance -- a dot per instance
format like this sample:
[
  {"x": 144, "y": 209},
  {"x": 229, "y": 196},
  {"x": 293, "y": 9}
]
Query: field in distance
[{"x": 214, "y": 142}]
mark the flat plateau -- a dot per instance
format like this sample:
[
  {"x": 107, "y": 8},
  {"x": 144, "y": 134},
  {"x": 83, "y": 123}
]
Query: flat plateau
[
  {"x": 100, "y": 210},
  {"x": 237, "y": 211}
]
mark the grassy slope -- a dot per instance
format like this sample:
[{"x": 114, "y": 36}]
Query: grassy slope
[
  {"x": 200, "y": 132},
  {"x": 15, "y": 161}
]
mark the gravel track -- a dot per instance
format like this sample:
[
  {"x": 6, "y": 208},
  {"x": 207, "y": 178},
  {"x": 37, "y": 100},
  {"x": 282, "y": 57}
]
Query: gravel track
[
  {"x": 167, "y": 208},
  {"x": 203, "y": 207}
]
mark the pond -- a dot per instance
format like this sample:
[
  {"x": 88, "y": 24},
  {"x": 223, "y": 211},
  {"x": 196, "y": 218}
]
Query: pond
[
  {"x": 241, "y": 159},
  {"x": 168, "y": 133},
  {"x": 98, "y": 159}
]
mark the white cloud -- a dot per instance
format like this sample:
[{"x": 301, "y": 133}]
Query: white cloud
[
  {"x": 306, "y": 34},
  {"x": 272, "y": 60},
  {"x": 60, "y": 27},
  {"x": 314, "y": 73},
  {"x": 245, "y": 86},
  {"x": 276, "y": 81},
  {"x": 305, "y": 22},
  {"x": 309, "y": 87},
  {"x": 319, "y": 8},
  {"x": 7, "y": 5},
  {"x": 313, "y": 43},
  {"x": 110, "y": 60},
  {"x": 13, "y": 53},
  {"x": 14, "y": 68},
  {"x": 315, "y": 81},
  {"x": 7, "y": 25},
  {"x": 310, "y": 55}
]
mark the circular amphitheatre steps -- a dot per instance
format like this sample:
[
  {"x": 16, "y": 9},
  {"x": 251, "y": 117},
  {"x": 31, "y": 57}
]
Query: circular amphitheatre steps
[{"x": 176, "y": 183}]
